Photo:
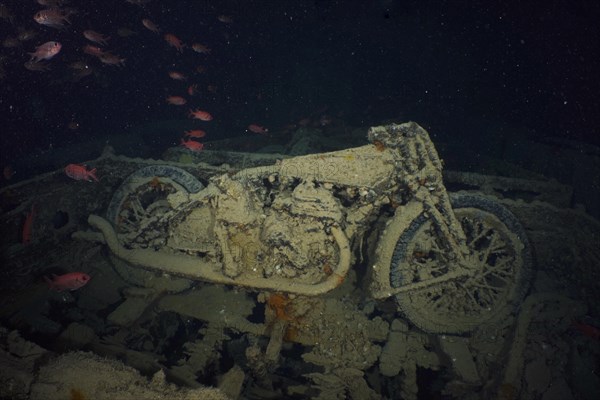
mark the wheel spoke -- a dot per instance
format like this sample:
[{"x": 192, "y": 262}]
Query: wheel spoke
[{"x": 495, "y": 281}]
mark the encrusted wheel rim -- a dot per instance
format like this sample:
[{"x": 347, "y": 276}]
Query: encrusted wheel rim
[
  {"x": 142, "y": 200},
  {"x": 499, "y": 264}
]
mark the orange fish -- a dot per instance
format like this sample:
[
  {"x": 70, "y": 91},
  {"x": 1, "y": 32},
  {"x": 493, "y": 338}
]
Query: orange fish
[
  {"x": 176, "y": 100},
  {"x": 192, "y": 145},
  {"x": 80, "y": 173},
  {"x": 195, "y": 133},
  {"x": 27, "y": 226},
  {"x": 201, "y": 115},
  {"x": 178, "y": 76},
  {"x": 174, "y": 42},
  {"x": 70, "y": 281},
  {"x": 200, "y": 48},
  {"x": 150, "y": 25},
  {"x": 261, "y": 130}
]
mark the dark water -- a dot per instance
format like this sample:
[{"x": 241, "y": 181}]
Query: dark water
[{"x": 467, "y": 71}]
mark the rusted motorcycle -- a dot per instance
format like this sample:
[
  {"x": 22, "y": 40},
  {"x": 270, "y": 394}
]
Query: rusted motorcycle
[{"x": 452, "y": 261}]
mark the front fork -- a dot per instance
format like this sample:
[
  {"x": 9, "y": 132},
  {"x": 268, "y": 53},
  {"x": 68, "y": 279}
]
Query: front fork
[{"x": 448, "y": 230}]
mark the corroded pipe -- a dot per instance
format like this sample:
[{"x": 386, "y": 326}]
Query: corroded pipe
[{"x": 198, "y": 269}]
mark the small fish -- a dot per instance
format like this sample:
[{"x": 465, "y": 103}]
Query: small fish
[
  {"x": 150, "y": 25},
  {"x": 200, "y": 48},
  {"x": 96, "y": 37},
  {"x": 53, "y": 17},
  {"x": 261, "y": 130},
  {"x": 6, "y": 14},
  {"x": 70, "y": 281},
  {"x": 80, "y": 173},
  {"x": 81, "y": 69},
  {"x": 174, "y": 42},
  {"x": 45, "y": 51},
  {"x": 26, "y": 34},
  {"x": 36, "y": 66},
  {"x": 111, "y": 59},
  {"x": 192, "y": 89},
  {"x": 226, "y": 19},
  {"x": 201, "y": 115},
  {"x": 192, "y": 145},
  {"x": 178, "y": 76},
  {"x": 27, "y": 226},
  {"x": 11, "y": 42},
  {"x": 125, "y": 32},
  {"x": 93, "y": 50},
  {"x": 195, "y": 133},
  {"x": 176, "y": 100}
]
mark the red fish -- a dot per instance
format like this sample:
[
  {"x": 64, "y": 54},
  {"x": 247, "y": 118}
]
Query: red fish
[
  {"x": 176, "y": 100},
  {"x": 178, "y": 76},
  {"x": 111, "y": 59},
  {"x": 95, "y": 37},
  {"x": 192, "y": 145},
  {"x": 261, "y": 130},
  {"x": 27, "y": 226},
  {"x": 200, "y": 48},
  {"x": 93, "y": 50},
  {"x": 175, "y": 42},
  {"x": 195, "y": 133},
  {"x": 226, "y": 19},
  {"x": 201, "y": 115},
  {"x": 80, "y": 172},
  {"x": 192, "y": 89},
  {"x": 45, "y": 51},
  {"x": 36, "y": 66},
  {"x": 53, "y": 17},
  {"x": 70, "y": 281},
  {"x": 150, "y": 25}
]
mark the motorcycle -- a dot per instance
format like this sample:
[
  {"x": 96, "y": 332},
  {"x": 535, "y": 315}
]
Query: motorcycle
[{"x": 451, "y": 261}]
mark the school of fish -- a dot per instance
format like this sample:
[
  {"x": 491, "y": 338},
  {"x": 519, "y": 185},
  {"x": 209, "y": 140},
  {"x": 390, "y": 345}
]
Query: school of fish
[{"x": 91, "y": 47}]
